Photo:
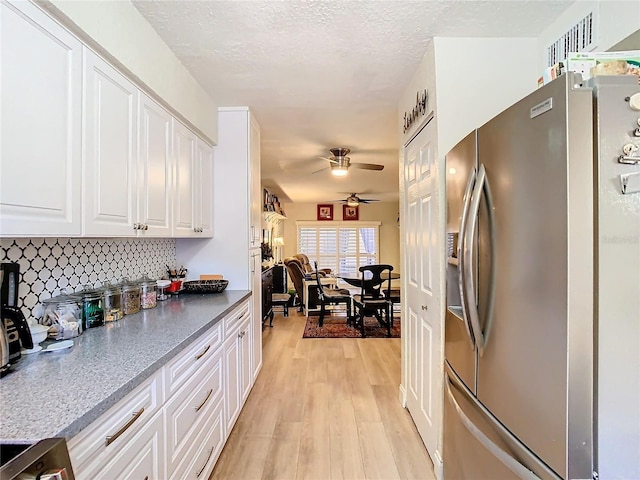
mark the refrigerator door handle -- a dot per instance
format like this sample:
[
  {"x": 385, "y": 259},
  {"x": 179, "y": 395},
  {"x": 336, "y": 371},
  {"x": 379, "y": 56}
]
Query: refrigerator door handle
[
  {"x": 507, "y": 460},
  {"x": 482, "y": 186},
  {"x": 462, "y": 266}
]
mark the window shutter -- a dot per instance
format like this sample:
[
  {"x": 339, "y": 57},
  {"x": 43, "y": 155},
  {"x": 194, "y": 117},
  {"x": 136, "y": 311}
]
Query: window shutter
[{"x": 341, "y": 248}]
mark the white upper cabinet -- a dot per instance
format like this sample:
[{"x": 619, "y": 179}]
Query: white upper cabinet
[
  {"x": 40, "y": 152},
  {"x": 193, "y": 185},
  {"x": 204, "y": 198},
  {"x": 110, "y": 150},
  {"x": 184, "y": 153},
  {"x": 255, "y": 188},
  {"x": 154, "y": 170}
]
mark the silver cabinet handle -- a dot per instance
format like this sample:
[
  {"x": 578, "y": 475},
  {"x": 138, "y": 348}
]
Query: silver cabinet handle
[
  {"x": 201, "y": 354},
  {"x": 204, "y": 401},
  {"x": 112, "y": 438},
  {"x": 205, "y": 464},
  {"x": 242, "y": 334}
]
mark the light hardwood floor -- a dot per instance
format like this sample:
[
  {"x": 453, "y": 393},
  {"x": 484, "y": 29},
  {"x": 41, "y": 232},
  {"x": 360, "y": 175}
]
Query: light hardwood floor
[{"x": 324, "y": 409}]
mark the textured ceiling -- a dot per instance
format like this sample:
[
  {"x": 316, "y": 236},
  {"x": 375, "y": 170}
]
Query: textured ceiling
[{"x": 319, "y": 75}]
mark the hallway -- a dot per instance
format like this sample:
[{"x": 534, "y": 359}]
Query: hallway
[{"x": 324, "y": 409}]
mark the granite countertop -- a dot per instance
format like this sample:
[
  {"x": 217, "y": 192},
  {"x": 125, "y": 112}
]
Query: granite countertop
[{"x": 57, "y": 394}]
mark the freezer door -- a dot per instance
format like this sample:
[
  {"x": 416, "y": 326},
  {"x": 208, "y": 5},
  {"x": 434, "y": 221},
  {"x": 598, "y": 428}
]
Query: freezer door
[
  {"x": 477, "y": 447},
  {"x": 541, "y": 189},
  {"x": 459, "y": 343}
]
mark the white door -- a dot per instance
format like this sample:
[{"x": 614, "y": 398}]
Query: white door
[
  {"x": 423, "y": 224},
  {"x": 110, "y": 150},
  {"x": 40, "y": 107},
  {"x": 154, "y": 170}
]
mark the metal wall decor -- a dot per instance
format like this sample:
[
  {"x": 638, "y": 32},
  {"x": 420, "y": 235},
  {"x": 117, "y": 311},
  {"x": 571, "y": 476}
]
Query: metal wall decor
[{"x": 420, "y": 109}]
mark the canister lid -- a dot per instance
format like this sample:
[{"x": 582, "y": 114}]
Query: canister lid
[{"x": 146, "y": 281}]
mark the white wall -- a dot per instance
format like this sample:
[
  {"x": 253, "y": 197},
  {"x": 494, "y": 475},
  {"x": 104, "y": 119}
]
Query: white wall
[
  {"x": 476, "y": 79},
  {"x": 384, "y": 212},
  {"x": 122, "y": 31},
  {"x": 617, "y": 20}
]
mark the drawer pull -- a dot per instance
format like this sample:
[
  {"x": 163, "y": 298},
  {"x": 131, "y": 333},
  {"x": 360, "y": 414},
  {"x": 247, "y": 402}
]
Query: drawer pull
[
  {"x": 205, "y": 463},
  {"x": 242, "y": 334},
  {"x": 201, "y": 354},
  {"x": 204, "y": 401},
  {"x": 146, "y": 477},
  {"x": 112, "y": 438},
  {"x": 242, "y": 316}
]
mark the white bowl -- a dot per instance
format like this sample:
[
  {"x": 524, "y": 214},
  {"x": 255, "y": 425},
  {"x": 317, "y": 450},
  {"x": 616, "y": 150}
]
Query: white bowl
[{"x": 38, "y": 333}]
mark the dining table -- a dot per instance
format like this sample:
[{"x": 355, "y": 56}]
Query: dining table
[{"x": 355, "y": 279}]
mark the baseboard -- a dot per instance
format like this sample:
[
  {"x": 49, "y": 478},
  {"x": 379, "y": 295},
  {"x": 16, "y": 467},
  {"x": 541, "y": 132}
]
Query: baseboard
[
  {"x": 403, "y": 396},
  {"x": 438, "y": 467}
]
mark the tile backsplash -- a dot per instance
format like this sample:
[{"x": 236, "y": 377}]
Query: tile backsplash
[{"x": 50, "y": 264}]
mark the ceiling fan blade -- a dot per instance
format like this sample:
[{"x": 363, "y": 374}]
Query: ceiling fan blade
[
  {"x": 368, "y": 200},
  {"x": 321, "y": 170},
  {"x": 332, "y": 160},
  {"x": 367, "y": 166}
]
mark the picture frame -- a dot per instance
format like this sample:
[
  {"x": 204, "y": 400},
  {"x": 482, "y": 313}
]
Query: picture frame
[
  {"x": 349, "y": 213},
  {"x": 325, "y": 212}
]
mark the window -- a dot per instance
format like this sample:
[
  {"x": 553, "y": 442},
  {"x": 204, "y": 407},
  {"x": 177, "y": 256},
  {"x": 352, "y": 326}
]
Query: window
[{"x": 342, "y": 247}]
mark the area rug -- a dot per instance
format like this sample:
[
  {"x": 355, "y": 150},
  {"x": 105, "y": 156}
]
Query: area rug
[{"x": 336, "y": 327}]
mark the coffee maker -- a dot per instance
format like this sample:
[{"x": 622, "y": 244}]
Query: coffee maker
[{"x": 14, "y": 329}]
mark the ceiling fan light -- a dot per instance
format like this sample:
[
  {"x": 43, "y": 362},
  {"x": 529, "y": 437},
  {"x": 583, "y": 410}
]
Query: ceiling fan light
[
  {"x": 352, "y": 203},
  {"x": 339, "y": 170}
]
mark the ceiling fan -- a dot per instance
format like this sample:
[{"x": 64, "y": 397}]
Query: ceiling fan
[
  {"x": 353, "y": 200},
  {"x": 340, "y": 163}
]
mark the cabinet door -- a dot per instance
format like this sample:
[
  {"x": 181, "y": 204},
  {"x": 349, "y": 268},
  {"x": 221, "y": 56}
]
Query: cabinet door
[
  {"x": 40, "y": 151},
  {"x": 232, "y": 373},
  {"x": 204, "y": 199},
  {"x": 110, "y": 149},
  {"x": 255, "y": 188},
  {"x": 185, "y": 179},
  {"x": 142, "y": 457},
  {"x": 245, "y": 336},
  {"x": 154, "y": 170}
]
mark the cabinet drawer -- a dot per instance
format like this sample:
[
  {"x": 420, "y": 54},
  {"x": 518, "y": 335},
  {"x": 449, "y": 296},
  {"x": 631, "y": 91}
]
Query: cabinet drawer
[
  {"x": 182, "y": 367},
  {"x": 207, "y": 446},
  {"x": 233, "y": 320},
  {"x": 114, "y": 429},
  {"x": 189, "y": 409},
  {"x": 141, "y": 458}
]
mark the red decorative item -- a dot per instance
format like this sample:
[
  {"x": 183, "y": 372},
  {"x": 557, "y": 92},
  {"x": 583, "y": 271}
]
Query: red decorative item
[
  {"x": 325, "y": 212},
  {"x": 349, "y": 213}
]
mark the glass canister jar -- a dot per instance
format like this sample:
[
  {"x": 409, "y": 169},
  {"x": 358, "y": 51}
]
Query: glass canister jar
[
  {"x": 130, "y": 298},
  {"x": 113, "y": 308},
  {"x": 148, "y": 292},
  {"x": 92, "y": 308},
  {"x": 63, "y": 315}
]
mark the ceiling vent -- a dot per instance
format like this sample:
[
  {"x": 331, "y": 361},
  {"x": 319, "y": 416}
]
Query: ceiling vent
[{"x": 579, "y": 38}]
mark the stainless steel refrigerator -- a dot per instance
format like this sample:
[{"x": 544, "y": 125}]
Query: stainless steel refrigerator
[{"x": 542, "y": 329}]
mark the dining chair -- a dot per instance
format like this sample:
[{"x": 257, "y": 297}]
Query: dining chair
[
  {"x": 296, "y": 273},
  {"x": 372, "y": 301},
  {"x": 331, "y": 296}
]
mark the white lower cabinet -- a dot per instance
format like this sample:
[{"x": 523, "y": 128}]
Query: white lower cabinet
[
  {"x": 116, "y": 430},
  {"x": 140, "y": 458},
  {"x": 186, "y": 413},
  {"x": 175, "y": 424}
]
